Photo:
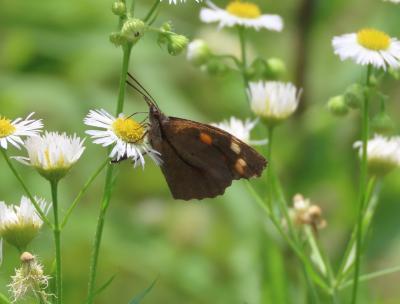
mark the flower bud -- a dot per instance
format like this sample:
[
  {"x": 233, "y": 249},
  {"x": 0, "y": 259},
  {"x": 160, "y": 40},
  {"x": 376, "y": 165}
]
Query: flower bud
[
  {"x": 382, "y": 123},
  {"x": 117, "y": 38},
  {"x": 216, "y": 67},
  {"x": 198, "y": 52},
  {"x": 133, "y": 29},
  {"x": 19, "y": 225},
  {"x": 176, "y": 44},
  {"x": 256, "y": 70},
  {"x": 338, "y": 106},
  {"x": 275, "y": 68},
  {"x": 354, "y": 96},
  {"x": 119, "y": 8}
]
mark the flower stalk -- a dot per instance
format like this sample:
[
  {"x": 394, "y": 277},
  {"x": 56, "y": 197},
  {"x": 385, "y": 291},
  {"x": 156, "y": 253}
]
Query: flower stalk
[
  {"x": 57, "y": 241},
  {"x": 108, "y": 182},
  {"x": 363, "y": 185}
]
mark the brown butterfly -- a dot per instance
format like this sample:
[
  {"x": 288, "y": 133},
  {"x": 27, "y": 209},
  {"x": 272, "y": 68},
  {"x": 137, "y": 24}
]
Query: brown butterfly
[{"x": 198, "y": 160}]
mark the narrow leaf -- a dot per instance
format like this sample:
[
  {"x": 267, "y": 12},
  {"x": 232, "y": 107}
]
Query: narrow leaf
[
  {"x": 105, "y": 285},
  {"x": 142, "y": 294},
  {"x": 4, "y": 299}
]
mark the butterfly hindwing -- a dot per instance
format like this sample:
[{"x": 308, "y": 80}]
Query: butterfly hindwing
[{"x": 201, "y": 161}]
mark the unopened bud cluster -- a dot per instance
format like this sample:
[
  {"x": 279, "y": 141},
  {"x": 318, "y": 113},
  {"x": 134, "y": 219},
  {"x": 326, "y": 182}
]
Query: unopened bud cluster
[
  {"x": 305, "y": 213},
  {"x": 175, "y": 43}
]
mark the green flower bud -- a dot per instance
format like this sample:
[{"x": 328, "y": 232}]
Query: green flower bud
[
  {"x": 176, "y": 44},
  {"x": 198, "y": 52},
  {"x": 382, "y": 123},
  {"x": 256, "y": 70},
  {"x": 117, "y": 39},
  {"x": 216, "y": 67},
  {"x": 337, "y": 106},
  {"x": 166, "y": 27},
  {"x": 354, "y": 95},
  {"x": 275, "y": 68},
  {"x": 119, "y": 8},
  {"x": 133, "y": 29}
]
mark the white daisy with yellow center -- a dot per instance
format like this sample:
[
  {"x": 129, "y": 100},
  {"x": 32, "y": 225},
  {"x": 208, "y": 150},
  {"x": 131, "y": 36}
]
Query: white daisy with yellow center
[
  {"x": 240, "y": 13},
  {"x": 368, "y": 47},
  {"x": 19, "y": 224},
  {"x": 240, "y": 129},
  {"x": 273, "y": 101},
  {"x": 383, "y": 153},
  {"x": 12, "y": 131},
  {"x": 53, "y": 154},
  {"x": 127, "y": 136}
]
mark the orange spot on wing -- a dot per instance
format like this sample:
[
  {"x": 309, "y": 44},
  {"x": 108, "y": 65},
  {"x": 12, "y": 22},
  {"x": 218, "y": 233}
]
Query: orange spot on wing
[{"x": 205, "y": 138}]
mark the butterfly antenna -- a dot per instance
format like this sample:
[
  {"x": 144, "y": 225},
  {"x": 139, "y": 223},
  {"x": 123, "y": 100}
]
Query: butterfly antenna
[
  {"x": 145, "y": 97},
  {"x": 143, "y": 88}
]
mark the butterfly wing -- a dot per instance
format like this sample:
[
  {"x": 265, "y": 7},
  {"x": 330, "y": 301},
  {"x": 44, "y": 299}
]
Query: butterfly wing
[{"x": 200, "y": 160}]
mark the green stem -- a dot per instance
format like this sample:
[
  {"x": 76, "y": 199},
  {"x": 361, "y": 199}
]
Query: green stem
[
  {"x": 152, "y": 10},
  {"x": 57, "y": 241},
  {"x": 363, "y": 185},
  {"x": 269, "y": 171},
  {"x": 242, "y": 40},
  {"x": 108, "y": 183},
  {"x": 28, "y": 193},
  {"x": 82, "y": 192}
]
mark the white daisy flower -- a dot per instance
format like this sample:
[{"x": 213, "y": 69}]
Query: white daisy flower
[
  {"x": 52, "y": 154},
  {"x": 368, "y": 46},
  {"x": 383, "y": 153},
  {"x": 393, "y": 1},
  {"x": 245, "y": 14},
  {"x": 127, "y": 136},
  {"x": 20, "y": 224},
  {"x": 11, "y": 131},
  {"x": 181, "y": 1},
  {"x": 273, "y": 101},
  {"x": 240, "y": 129}
]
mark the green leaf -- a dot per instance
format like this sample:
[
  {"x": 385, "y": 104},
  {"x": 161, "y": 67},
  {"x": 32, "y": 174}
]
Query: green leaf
[
  {"x": 143, "y": 293},
  {"x": 105, "y": 285},
  {"x": 4, "y": 299}
]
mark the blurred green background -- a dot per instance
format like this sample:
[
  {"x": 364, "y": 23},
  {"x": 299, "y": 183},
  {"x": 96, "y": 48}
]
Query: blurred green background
[{"x": 56, "y": 60}]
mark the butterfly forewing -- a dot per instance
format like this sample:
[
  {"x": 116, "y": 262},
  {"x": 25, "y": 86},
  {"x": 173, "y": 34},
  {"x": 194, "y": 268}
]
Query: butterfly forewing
[{"x": 201, "y": 161}]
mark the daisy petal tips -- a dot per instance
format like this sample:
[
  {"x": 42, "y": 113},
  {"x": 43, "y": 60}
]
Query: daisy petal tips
[
  {"x": 240, "y": 13},
  {"x": 240, "y": 129},
  {"x": 12, "y": 131},
  {"x": 127, "y": 136},
  {"x": 368, "y": 47}
]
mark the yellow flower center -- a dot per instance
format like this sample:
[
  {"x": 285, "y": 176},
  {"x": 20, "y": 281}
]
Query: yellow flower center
[
  {"x": 6, "y": 128},
  {"x": 128, "y": 130},
  {"x": 373, "y": 39},
  {"x": 244, "y": 9}
]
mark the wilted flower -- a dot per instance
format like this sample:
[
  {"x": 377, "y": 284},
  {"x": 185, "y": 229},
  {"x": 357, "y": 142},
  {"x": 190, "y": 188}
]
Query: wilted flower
[
  {"x": 19, "y": 225},
  {"x": 383, "y": 154},
  {"x": 52, "y": 154},
  {"x": 368, "y": 46},
  {"x": 240, "y": 129},
  {"x": 241, "y": 13},
  {"x": 29, "y": 278},
  {"x": 273, "y": 101},
  {"x": 304, "y": 213},
  {"x": 11, "y": 131},
  {"x": 198, "y": 52},
  {"x": 127, "y": 136}
]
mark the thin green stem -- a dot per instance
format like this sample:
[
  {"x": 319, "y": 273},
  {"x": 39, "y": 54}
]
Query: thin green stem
[
  {"x": 242, "y": 40},
  {"x": 108, "y": 183},
  {"x": 152, "y": 10},
  {"x": 28, "y": 193},
  {"x": 269, "y": 171},
  {"x": 363, "y": 185},
  {"x": 57, "y": 241},
  {"x": 82, "y": 192}
]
